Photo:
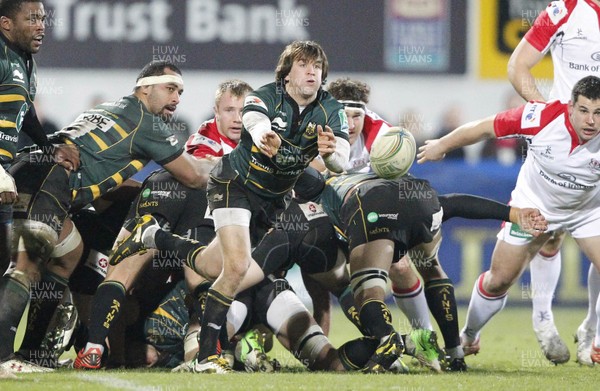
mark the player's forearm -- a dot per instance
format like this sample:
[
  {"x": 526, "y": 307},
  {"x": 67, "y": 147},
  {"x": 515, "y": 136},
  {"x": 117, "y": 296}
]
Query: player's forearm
[
  {"x": 523, "y": 59},
  {"x": 524, "y": 83},
  {"x": 469, "y": 133},
  {"x": 337, "y": 160}
]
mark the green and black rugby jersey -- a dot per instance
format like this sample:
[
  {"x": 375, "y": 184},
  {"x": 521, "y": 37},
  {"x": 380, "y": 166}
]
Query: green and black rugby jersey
[
  {"x": 115, "y": 140},
  {"x": 17, "y": 92},
  {"x": 275, "y": 177}
]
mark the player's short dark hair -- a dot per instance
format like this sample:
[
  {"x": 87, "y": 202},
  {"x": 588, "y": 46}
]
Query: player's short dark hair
[
  {"x": 10, "y": 8},
  {"x": 588, "y": 87},
  {"x": 348, "y": 89},
  {"x": 301, "y": 50},
  {"x": 238, "y": 88}
]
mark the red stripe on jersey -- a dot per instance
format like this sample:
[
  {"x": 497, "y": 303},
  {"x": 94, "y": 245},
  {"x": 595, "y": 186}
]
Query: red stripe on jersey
[
  {"x": 508, "y": 123},
  {"x": 372, "y": 126},
  {"x": 543, "y": 29}
]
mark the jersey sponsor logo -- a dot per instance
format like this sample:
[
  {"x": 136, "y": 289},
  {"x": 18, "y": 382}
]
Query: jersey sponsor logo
[
  {"x": 8, "y": 137},
  {"x": 279, "y": 124},
  {"x": 556, "y": 11},
  {"x": 532, "y": 115},
  {"x": 372, "y": 217},
  {"x": 379, "y": 230},
  {"x": 547, "y": 153},
  {"x": 569, "y": 183},
  {"x": 595, "y": 56},
  {"x": 97, "y": 262},
  {"x": 18, "y": 76},
  {"x": 594, "y": 165},
  {"x": 312, "y": 211},
  {"x": 172, "y": 140},
  {"x": 207, "y": 142},
  {"x": 255, "y": 101}
]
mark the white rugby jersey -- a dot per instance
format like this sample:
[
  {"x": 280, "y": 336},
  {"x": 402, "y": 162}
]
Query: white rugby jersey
[
  {"x": 560, "y": 176},
  {"x": 359, "y": 151},
  {"x": 570, "y": 29}
]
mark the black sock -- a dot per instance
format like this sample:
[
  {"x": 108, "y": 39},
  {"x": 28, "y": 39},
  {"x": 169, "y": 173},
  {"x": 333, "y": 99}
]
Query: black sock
[
  {"x": 183, "y": 247},
  {"x": 14, "y": 296},
  {"x": 199, "y": 303},
  {"x": 376, "y": 318},
  {"x": 442, "y": 304},
  {"x": 45, "y": 297},
  {"x": 348, "y": 305},
  {"x": 355, "y": 354},
  {"x": 215, "y": 314},
  {"x": 106, "y": 307}
]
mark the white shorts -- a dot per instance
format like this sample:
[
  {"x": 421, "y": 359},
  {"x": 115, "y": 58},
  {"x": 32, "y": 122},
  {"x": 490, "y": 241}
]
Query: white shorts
[{"x": 584, "y": 224}]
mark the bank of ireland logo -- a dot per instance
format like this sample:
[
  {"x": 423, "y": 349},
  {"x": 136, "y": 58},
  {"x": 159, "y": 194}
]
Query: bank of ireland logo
[
  {"x": 146, "y": 193},
  {"x": 372, "y": 217}
]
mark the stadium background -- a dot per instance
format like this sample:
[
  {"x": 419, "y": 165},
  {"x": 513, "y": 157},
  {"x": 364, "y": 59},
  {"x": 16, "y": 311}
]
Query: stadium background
[{"x": 420, "y": 57}]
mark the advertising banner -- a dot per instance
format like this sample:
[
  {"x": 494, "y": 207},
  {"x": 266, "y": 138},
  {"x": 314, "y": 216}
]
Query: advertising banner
[{"x": 250, "y": 35}]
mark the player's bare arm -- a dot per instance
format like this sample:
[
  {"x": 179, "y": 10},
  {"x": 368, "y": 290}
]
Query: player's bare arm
[
  {"x": 466, "y": 134},
  {"x": 190, "y": 171},
  {"x": 523, "y": 58}
]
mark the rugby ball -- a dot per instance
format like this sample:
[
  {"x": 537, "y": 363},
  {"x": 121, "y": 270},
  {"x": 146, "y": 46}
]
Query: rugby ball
[{"x": 393, "y": 153}]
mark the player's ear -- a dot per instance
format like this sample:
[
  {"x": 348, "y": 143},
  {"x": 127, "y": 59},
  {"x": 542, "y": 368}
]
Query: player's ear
[{"x": 6, "y": 23}]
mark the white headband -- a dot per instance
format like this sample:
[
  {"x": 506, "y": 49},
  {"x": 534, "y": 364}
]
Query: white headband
[
  {"x": 354, "y": 104},
  {"x": 150, "y": 80}
]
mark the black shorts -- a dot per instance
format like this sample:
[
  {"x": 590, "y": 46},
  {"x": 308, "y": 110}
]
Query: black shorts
[
  {"x": 406, "y": 211},
  {"x": 303, "y": 234},
  {"x": 44, "y": 192},
  {"x": 178, "y": 208},
  {"x": 225, "y": 190}
]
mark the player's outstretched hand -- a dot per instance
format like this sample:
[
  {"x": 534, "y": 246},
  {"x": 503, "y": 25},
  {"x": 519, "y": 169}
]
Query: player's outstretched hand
[
  {"x": 432, "y": 150},
  {"x": 326, "y": 141},
  {"x": 529, "y": 220},
  {"x": 270, "y": 143}
]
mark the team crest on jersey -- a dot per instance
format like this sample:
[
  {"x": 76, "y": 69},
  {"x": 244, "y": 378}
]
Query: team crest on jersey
[
  {"x": 532, "y": 114},
  {"x": 255, "y": 101},
  {"x": 594, "y": 165},
  {"x": 311, "y": 129},
  {"x": 556, "y": 11}
]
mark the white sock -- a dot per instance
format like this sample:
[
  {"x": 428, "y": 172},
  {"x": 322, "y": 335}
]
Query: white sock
[
  {"x": 593, "y": 292},
  {"x": 413, "y": 305},
  {"x": 90, "y": 345},
  {"x": 236, "y": 315},
  {"x": 482, "y": 307},
  {"x": 545, "y": 272}
]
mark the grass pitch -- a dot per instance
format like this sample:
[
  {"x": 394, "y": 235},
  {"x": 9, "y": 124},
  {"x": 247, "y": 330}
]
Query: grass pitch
[{"x": 510, "y": 359}]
